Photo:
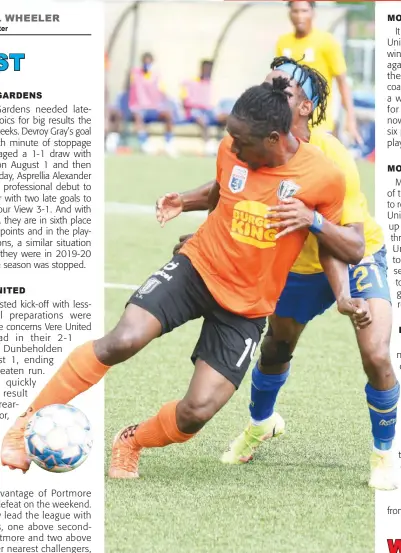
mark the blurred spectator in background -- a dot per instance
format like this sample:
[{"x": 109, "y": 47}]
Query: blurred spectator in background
[
  {"x": 322, "y": 52},
  {"x": 148, "y": 103},
  {"x": 113, "y": 119},
  {"x": 196, "y": 95}
]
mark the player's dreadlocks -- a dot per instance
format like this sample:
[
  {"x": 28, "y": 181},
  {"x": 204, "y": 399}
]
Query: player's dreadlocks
[
  {"x": 320, "y": 87},
  {"x": 265, "y": 108}
]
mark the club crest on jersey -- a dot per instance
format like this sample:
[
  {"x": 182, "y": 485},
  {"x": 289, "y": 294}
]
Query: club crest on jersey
[
  {"x": 287, "y": 189},
  {"x": 149, "y": 286},
  {"x": 238, "y": 179}
]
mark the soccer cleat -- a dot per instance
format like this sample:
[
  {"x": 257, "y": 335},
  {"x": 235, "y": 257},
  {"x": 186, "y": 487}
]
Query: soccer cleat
[
  {"x": 112, "y": 142},
  {"x": 13, "y": 453},
  {"x": 211, "y": 148},
  {"x": 170, "y": 149},
  {"x": 241, "y": 450},
  {"x": 148, "y": 148},
  {"x": 382, "y": 476},
  {"x": 125, "y": 455}
]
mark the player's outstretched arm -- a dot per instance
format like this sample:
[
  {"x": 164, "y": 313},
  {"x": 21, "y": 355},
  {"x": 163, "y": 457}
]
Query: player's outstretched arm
[
  {"x": 347, "y": 243},
  {"x": 338, "y": 276},
  {"x": 213, "y": 199},
  {"x": 173, "y": 204}
]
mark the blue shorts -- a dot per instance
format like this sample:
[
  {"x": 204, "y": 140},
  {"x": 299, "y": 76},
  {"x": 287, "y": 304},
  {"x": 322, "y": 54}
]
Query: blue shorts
[
  {"x": 150, "y": 115},
  {"x": 206, "y": 115},
  {"x": 306, "y": 296}
]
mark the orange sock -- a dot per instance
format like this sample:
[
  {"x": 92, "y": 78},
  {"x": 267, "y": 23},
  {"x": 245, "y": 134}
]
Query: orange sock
[
  {"x": 79, "y": 372},
  {"x": 162, "y": 429}
]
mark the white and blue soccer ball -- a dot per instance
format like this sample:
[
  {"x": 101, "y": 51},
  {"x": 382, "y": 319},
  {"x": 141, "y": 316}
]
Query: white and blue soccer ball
[{"x": 58, "y": 438}]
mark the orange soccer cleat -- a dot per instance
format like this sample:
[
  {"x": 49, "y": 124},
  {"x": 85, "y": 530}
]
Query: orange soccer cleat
[
  {"x": 125, "y": 455},
  {"x": 13, "y": 453}
]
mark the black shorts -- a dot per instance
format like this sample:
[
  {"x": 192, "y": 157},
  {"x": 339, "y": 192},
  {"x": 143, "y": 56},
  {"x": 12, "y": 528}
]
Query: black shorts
[{"x": 177, "y": 294}]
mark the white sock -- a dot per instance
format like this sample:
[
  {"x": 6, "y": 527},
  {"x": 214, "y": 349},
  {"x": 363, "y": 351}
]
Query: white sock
[
  {"x": 382, "y": 451},
  {"x": 258, "y": 423}
]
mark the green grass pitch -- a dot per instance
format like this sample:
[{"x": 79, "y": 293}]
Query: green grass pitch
[{"x": 305, "y": 492}]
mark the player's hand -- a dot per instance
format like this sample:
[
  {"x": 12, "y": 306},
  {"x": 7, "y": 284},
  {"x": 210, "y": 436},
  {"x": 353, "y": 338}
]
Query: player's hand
[
  {"x": 168, "y": 207},
  {"x": 358, "y": 311},
  {"x": 182, "y": 239},
  {"x": 290, "y": 215},
  {"x": 352, "y": 130}
]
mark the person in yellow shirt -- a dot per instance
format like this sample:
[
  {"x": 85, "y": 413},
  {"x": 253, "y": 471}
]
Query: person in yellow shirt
[
  {"x": 359, "y": 241},
  {"x": 321, "y": 51}
]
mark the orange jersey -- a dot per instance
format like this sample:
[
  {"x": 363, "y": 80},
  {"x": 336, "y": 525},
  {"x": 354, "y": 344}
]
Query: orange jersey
[{"x": 240, "y": 261}]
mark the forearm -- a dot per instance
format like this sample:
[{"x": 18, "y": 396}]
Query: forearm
[
  {"x": 346, "y": 243},
  {"x": 337, "y": 274},
  {"x": 197, "y": 199}
]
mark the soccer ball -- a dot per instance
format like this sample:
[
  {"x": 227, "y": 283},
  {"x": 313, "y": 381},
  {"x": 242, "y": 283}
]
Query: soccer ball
[{"x": 58, "y": 438}]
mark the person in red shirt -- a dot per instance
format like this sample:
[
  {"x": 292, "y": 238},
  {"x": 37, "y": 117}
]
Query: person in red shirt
[
  {"x": 148, "y": 103},
  {"x": 231, "y": 273},
  {"x": 196, "y": 97}
]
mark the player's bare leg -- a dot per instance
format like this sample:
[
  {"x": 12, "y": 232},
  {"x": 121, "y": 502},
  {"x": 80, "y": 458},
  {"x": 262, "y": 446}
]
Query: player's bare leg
[
  {"x": 145, "y": 145},
  {"x": 113, "y": 128},
  {"x": 83, "y": 368},
  {"x": 167, "y": 118},
  {"x": 382, "y": 391},
  {"x": 176, "y": 422},
  {"x": 268, "y": 376}
]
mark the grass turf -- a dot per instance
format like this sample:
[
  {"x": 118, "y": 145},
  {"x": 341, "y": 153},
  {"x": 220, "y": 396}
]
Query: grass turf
[{"x": 306, "y": 491}]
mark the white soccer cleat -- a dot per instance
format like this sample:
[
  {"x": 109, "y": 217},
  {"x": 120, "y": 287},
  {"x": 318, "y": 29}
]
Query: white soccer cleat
[
  {"x": 148, "y": 148},
  {"x": 170, "y": 149},
  {"x": 211, "y": 147},
  {"x": 112, "y": 142},
  {"x": 382, "y": 474}
]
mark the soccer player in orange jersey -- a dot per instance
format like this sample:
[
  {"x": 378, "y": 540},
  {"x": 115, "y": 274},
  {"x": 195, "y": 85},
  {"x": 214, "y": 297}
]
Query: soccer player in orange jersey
[
  {"x": 231, "y": 273},
  {"x": 359, "y": 241}
]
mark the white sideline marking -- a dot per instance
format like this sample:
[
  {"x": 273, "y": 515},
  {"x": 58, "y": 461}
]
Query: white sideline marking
[
  {"x": 135, "y": 209},
  {"x": 113, "y": 286},
  {"x": 139, "y": 209}
]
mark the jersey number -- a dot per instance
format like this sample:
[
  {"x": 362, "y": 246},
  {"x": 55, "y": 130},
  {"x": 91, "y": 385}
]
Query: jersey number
[
  {"x": 362, "y": 272},
  {"x": 250, "y": 346}
]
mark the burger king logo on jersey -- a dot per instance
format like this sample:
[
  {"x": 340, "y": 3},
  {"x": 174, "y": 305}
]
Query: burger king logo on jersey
[{"x": 249, "y": 225}]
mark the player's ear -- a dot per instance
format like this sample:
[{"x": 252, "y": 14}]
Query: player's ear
[
  {"x": 272, "y": 139},
  {"x": 305, "y": 108}
]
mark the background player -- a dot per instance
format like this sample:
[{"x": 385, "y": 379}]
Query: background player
[
  {"x": 307, "y": 292},
  {"x": 321, "y": 51},
  {"x": 148, "y": 104},
  {"x": 231, "y": 273}
]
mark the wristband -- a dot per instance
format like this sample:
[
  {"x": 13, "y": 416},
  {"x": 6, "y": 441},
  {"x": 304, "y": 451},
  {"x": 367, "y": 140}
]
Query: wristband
[{"x": 317, "y": 224}]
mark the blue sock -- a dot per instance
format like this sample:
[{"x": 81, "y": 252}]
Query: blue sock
[
  {"x": 168, "y": 137},
  {"x": 383, "y": 414},
  {"x": 264, "y": 391},
  {"x": 142, "y": 137}
]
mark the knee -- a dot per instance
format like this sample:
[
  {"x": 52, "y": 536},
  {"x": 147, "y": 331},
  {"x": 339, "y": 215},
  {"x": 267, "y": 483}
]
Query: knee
[
  {"x": 377, "y": 365},
  {"x": 274, "y": 352},
  {"x": 193, "y": 414},
  {"x": 378, "y": 359},
  {"x": 166, "y": 116},
  {"x": 124, "y": 342}
]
